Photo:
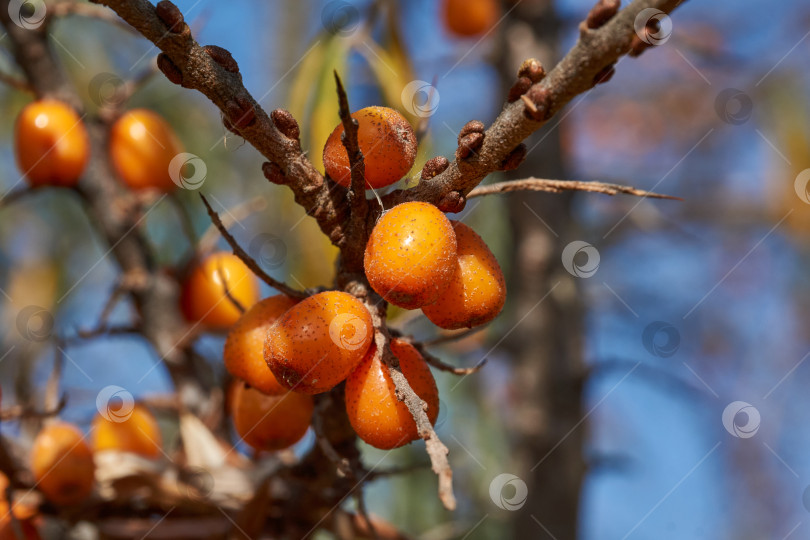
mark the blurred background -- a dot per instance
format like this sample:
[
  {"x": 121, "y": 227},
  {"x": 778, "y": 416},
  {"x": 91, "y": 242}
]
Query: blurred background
[{"x": 645, "y": 383}]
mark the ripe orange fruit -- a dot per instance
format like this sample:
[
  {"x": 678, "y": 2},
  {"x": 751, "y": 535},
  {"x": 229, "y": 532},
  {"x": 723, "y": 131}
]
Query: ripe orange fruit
[
  {"x": 244, "y": 348},
  {"x": 62, "y": 464},
  {"x": 138, "y": 434},
  {"x": 203, "y": 297},
  {"x": 317, "y": 343},
  {"x": 388, "y": 144},
  {"x": 470, "y": 17},
  {"x": 142, "y": 144},
  {"x": 51, "y": 144},
  {"x": 269, "y": 422},
  {"x": 477, "y": 290},
  {"x": 411, "y": 253},
  {"x": 24, "y": 513},
  {"x": 374, "y": 411}
]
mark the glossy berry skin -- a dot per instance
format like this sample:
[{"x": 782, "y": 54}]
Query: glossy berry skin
[
  {"x": 468, "y": 18},
  {"x": 411, "y": 253},
  {"x": 138, "y": 434},
  {"x": 51, "y": 144},
  {"x": 477, "y": 290},
  {"x": 142, "y": 145},
  {"x": 270, "y": 422},
  {"x": 244, "y": 348},
  {"x": 203, "y": 297},
  {"x": 62, "y": 464},
  {"x": 317, "y": 343},
  {"x": 374, "y": 411},
  {"x": 388, "y": 144}
]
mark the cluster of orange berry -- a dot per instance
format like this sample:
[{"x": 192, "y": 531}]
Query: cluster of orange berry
[
  {"x": 53, "y": 146},
  {"x": 415, "y": 258},
  {"x": 280, "y": 350}
]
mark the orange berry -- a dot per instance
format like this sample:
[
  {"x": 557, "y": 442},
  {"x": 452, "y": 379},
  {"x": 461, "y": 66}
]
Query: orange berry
[
  {"x": 317, "y": 343},
  {"x": 244, "y": 348},
  {"x": 270, "y": 422},
  {"x": 411, "y": 253},
  {"x": 374, "y": 411},
  {"x": 203, "y": 298},
  {"x": 51, "y": 144},
  {"x": 62, "y": 464},
  {"x": 388, "y": 144},
  {"x": 470, "y": 17},
  {"x": 142, "y": 145},
  {"x": 22, "y": 510},
  {"x": 477, "y": 291},
  {"x": 138, "y": 434}
]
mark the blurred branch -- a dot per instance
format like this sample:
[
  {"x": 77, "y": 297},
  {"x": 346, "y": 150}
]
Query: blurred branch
[
  {"x": 232, "y": 216},
  {"x": 247, "y": 259},
  {"x": 14, "y": 82},
  {"x": 558, "y": 186},
  {"x": 579, "y": 71},
  {"x": 17, "y": 195}
]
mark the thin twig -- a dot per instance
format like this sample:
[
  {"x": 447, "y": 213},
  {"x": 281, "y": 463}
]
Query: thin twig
[
  {"x": 444, "y": 366},
  {"x": 360, "y": 499},
  {"x": 227, "y": 290},
  {"x": 436, "y": 449},
  {"x": 449, "y": 338},
  {"x": 247, "y": 259},
  {"x": 358, "y": 205},
  {"x": 558, "y": 186},
  {"x": 68, "y": 8},
  {"x": 17, "y": 195},
  {"x": 234, "y": 215},
  {"x": 14, "y": 82}
]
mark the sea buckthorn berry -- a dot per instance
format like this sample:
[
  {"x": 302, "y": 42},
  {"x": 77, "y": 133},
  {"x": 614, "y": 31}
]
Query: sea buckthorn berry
[
  {"x": 138, "y": 434},
  {"x": 374, "y": 411},
  {"x": 244, "y": 356},
  {"x": 411, "y": 253},
  {"x": 142, "y": 145},
  {"x": 51, "y": 144},
  {"x": 477, "y": 291},
  {"x": 470, "y": 17},
  {"x": 270, "y": 422},
  {"x": 24, "y": 513},
  {"x": 317, "y": 342},
  {"x": 388, "y": 144},
  {"x": 62, "y": 464},
  {"x": 204, "y": 298}
]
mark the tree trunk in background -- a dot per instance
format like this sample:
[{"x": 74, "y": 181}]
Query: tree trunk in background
[{"x": 546, "y": 343}]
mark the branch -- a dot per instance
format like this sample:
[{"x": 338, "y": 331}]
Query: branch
[
  {"x": 436, "y": 449},
  {"x": 14, "y": 82},
  {"x": 356, "y": 230},
  {"x": 213, "y": 72},
  {"x": 558, "y": 186},
  {"x": 444, "y": 366},
  {"x": 577, "y": 72},
  {"x": 247, "y": 259},
  {"x": 233, "y": 216}
]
